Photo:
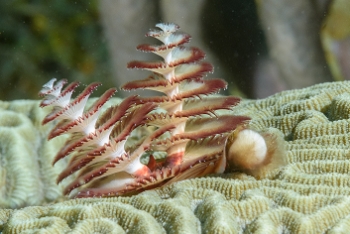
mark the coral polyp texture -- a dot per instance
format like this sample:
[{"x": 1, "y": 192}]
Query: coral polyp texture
[
  {"x": 309, "y": 195},
  {"x": 182, "y": 125}
]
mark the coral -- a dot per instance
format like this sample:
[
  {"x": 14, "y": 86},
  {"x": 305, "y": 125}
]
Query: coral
[
  {"x": 310, "y": 194},
  {"x": 26, "y": 174},
  {"x": 26, "y": 177}
]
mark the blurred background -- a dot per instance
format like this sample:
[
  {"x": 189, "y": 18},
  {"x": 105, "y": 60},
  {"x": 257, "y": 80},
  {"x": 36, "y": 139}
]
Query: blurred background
[{"x": 259, "y": 47}]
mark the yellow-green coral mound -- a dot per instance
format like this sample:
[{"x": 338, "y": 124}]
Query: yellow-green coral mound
[
  {"x": 309, "y": 195},
  {"x": 26, "y": 174}
]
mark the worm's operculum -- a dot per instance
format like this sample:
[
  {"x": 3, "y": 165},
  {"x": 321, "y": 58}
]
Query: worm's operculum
[{"x": 256, "y": 153}]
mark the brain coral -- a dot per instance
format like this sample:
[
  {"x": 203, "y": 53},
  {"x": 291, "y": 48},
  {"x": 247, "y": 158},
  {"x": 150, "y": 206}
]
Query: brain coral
[{"x": 309, "y": 195}]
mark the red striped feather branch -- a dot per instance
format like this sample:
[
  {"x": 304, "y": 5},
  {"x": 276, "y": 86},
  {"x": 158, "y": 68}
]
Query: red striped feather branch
[{"x": 182, "y": 124}]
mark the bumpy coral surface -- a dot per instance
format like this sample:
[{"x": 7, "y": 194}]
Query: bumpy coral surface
[
  {"x": 25, "y": 155},
  {"x": 309, "y": 195},
  {"x": 26, "y": 173}
]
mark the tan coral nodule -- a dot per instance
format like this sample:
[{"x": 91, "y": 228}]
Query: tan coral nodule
[
  {"x": 248, "y": 150},
  {"x": 255, "y": 153}
]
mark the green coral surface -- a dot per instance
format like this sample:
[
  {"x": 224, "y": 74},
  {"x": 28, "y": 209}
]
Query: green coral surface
[{"x": 309, "y": 195}]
